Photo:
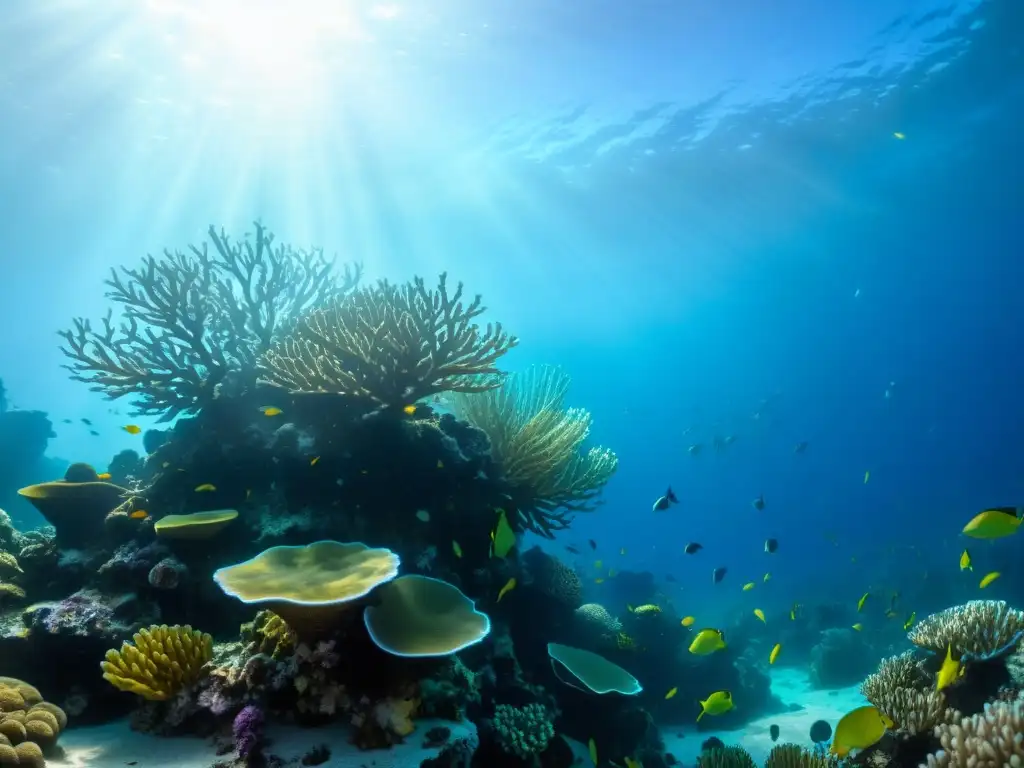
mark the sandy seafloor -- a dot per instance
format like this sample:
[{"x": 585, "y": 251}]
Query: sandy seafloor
[{"x": 116, "y": 746}]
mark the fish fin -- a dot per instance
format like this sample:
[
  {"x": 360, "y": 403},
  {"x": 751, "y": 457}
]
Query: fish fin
[{"x": 702, "y": 711}]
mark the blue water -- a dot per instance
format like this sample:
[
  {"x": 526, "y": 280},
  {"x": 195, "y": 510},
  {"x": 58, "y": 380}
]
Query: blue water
[{"x": 692, "y": 207}]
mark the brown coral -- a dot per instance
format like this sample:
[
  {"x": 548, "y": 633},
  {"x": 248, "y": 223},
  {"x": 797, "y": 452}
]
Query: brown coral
[
  {"x": 979, "y": 629},
  {"x": 992, "y": 738}
]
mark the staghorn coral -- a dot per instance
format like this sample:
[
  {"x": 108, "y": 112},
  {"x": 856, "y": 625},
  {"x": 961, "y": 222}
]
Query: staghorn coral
[
  {"x": 902, "y": 690},
  {"x": 390, "y": 345},
  {"x": 523, "y": 731},
  {"x": 977, "y": 630},
  {"x": 795, "y": 756},
  {"x": 162, "y": 661},
  {"x": 991, "y": 738},
  {"x": 190, "y": 319},
  {"x": 537, "y": 444}
]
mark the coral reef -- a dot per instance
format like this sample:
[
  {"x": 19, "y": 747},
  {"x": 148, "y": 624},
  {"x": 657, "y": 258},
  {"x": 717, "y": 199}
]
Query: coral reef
[
  {"x": 840, "y": 658},
  {"x": 993, "y": 737},
  {"x": 979, "y": 629},
  {"x": 161, "y": 661}
]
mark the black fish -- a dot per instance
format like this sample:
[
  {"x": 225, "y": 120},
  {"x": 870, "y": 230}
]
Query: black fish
[
  {"x": 821, "y": 732},
  {"x": 94, "y": 433},
  {"x": 718, "y": 575},
  {"x": 570, "y": 548},
  {"x": 693, "y": 548},
  {"x": 664, "y": 502},
  {"x": 771, "y": 545},
  {"x": 66, "y": 421},
  {"x": 87, "y": 422},
  {"x": 592, "y": 543},
  {"x": 774, "y": 732},
  {"x": 758, "y": 502},
  {"x": 712, "y": 742}
]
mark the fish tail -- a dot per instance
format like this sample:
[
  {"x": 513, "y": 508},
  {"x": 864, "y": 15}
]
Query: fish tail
[{"x": 702, "y": 711}]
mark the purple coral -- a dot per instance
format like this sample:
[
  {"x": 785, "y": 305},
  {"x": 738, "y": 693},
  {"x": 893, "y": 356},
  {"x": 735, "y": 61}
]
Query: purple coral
[{"x": 248, "y": 731}]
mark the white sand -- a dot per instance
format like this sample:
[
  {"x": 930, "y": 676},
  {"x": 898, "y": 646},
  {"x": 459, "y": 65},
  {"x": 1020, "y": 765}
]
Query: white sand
[
  {"x": 115, "y": 745},
  {"x": 792, "y": 687}
]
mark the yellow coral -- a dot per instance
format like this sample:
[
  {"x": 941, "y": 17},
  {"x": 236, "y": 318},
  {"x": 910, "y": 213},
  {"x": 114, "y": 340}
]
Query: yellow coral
[
  {"x": 162, "y": 661},
  {"x": 29, "y": 755},
  {"x": 269, "y": 634},
  {"x": 11, "y": 591},
  {"x": 9, "y": 563}
]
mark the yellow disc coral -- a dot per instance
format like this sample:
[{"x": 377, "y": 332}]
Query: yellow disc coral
[
  {"x": 161, "y": 662},
  {"x": 198, "y": 525}
]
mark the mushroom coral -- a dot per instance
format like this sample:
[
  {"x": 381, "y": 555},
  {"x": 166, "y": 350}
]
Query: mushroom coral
[
  {"x": 76, "y": 505},
  {"x": 593, "y": 672}
]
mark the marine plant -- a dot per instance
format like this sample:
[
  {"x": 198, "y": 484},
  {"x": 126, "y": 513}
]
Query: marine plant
[
  {"x": 190, "y": 319},
  {"x": 390, "y": 345},
  {"x": 537, "y": 443}
]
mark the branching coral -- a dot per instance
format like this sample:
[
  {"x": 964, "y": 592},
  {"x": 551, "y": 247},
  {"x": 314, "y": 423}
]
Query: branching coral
[
  {"x": 726, "y": 757},
  {"x": 795, "y": 756},
  {"x": 992, "y": 738},
  {"x": 977, "y": 630},
  {"x": 537, "y": 444},
  {"x": 902, "y": 690},
  {"x": 190, "y": 319},
  {"x": 523, "y": 731},
  {"x": 391, "y": 345},
  {"x": 162, "y": 661}
]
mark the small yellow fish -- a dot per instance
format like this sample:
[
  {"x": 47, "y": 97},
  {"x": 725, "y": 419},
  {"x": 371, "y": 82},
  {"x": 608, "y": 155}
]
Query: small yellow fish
[
  {"x": 989, "y": 578},
  {"x": 775, "y": 653},
  {"x": 760, "y": 614},
  {"x": 314, "y": 461},
  {"x": 409, "y": 410},
  {"x": 599, "y": 580},
  {"x": 767, "y": 577},
  {"x": 456, "y": 548},
  {"x": 132, "y": 429},
  {"x": 899, "y": 135},
  {"x": 103, "y": 476},
  {"x": 950, "y": 672},
  {"x": 503, "y": 538},
  {"x": 994, "y": 523},
  {"x": 270, "y": 410},
  {"x": 910, "y": 621},
  {"x": 867, "y": 476},
  {"x": 598, "y": 565},
  {"x": 707, "y": 641},
  {"x": 688, "y": 621},
  {"x": 748, "y": 586},
  {"x": 205, "y": 487},
  {"x": 645, "y": 610},
  {"x": 965, "y": 561},
  {"x": 672, "y": 692},
  {"x": 592, "y": 748},
  {"x": 863, "y": 599},
  {"x": 794, "y": 611},
  {"x": 717, "y": 703},
  {"x": 625, "y": 642},
  {"x": 440, "y": 464},
  {"x": 509, "y": 586},
  {"x": 858, "y": 626},
  {"x": 139, "y": 514}
]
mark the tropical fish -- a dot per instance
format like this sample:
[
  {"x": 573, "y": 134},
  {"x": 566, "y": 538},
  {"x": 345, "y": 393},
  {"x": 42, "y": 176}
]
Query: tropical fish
[
  {"x": 857, "y": 627},
  {"x": 270, "y": 410},
  {"x": 910, "y": 621},
  {"x": 456, "y": 548},
  {"x": 599, "y": 580},
  {"x": 775, "y": 653},
  {"x": 598, "y": 565},
  {"x": 867, "y": 476},
  {"x": 694, "y": 449},
  {"x": 86, "y": 422},
  {"x": 717, "y": 575},
  {"x": 820, "y": 732},
  {"x": 205, "y": 487},
  {"x": 314, "y": 461},
  {"x": 748, "y": 586},
  {"x": 103, "y": 476},
  {"x": 773, "y": 731},
  {"x": 672, "y": 692},
  {"x": 899, "y": 135},
  {"x": 423, "y": 516},
  {"x": 863, "y": 599},
  {"x": 632, "y": 763},
  {"x": 592, "y": 543},
  {"x": 503, "y": 537},
  {"x": 718, "y": 703},
  {"x": 771, "y": 546},
  {"x": 988, "y": 579},
  {"x": 758, "y": 503},
  {"x": 592, "y": 748},
  {"x": 509, "y": 586},
  {"x": 132, "y": 429},
  {"x": 648, "y": 609},
  {"x": 950, "y": 672},
  {"x": 409, "y": 410},
  {"x": 139, "y": 514},
  {"x": 707, "y": 641},
  {"x": 965, "y": 561},
  {"x": 693, "y": 548},
  {"x": 859, "y": 729},
  {"x": 994, "y": 523},
  {"x": 625, "y": 642},
  {"x": 688, "y": 621},
  {"x": 440, "y": 464},
  {"x": 760, "y": 614},
  {"x": 767, "y": 577},
  {"x": 664, "y": 502}
]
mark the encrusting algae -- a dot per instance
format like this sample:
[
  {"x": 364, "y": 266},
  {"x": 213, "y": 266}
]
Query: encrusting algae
[{"x": 162, "y": 661}]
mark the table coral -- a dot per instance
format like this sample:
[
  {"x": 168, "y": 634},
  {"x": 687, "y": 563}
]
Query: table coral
[
  {"x": 162, "y": 661},
  {"x": 977, "y": 630}
]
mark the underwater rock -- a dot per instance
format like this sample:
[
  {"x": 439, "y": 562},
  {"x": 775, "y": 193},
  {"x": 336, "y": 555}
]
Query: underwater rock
[{"x": 76, "y": 505}]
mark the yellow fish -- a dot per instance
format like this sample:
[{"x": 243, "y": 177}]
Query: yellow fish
[
  {"x": 748, "y": 586},
  {"x": 760, "y": 614},
  {"x": 688, "y": 621},
  {"x": 132, "y": 429},
  {"x": 592, "y": 748},
  {"x": 103, "y": 476},
  {"x": 898, "y": 135},
  {"x": 767, "y": 577},
  {"x": 314, "y": 461},
  {"x": 965, "y": 561},
  {"x": 270, "y": 410},
  {"x": 950, "y": 672},
  {"x": 456, "y": 548},
  {"x": 440, "y": 464},
  {"x": 858, "y": 626},
  {"x": 775, "y": 653},
  {"x": 863, "y": 599},
  {"x": 598, "y": 565},
  {"x": 504, "y": 537},
  {"x": 645, "y": 610},
  {"x": 867, "y": 476},
  {"x": 139, "y": 514},
  {"x": 989, "y": 578},
  {"x": 994, "y": 523},
  {"x": 717, "y": 703},
  {"x": 205, "y": 487},
  {"x": 672, "y": 692},
  {"x": 707, "y": 641},
  {"x": 599, "y": 580},
  {"x": 509, "y": 586},
  {"x": 910, "y": 621},
  {"x": 793, "y": 611},
  {"x": 409, "y": 410},
  {"x": 631, "y": 763},
  {"x": 859, "y": 729}
]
